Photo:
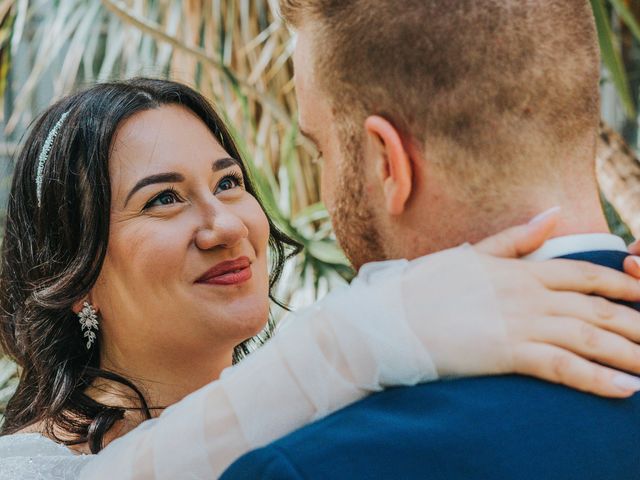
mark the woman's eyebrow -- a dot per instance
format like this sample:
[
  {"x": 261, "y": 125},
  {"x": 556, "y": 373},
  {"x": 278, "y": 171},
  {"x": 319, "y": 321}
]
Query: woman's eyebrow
[
  {"x": 174, "y": 177},
  {"x": 223, "y": 163},
  {"x": 169, "y": 177}
]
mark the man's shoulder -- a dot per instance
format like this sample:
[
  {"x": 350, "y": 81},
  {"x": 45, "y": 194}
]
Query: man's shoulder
[
  {"x": 487, "y": 425},
  {"x": 466, "y": 409},
  {"x": 486, "y": 398}
]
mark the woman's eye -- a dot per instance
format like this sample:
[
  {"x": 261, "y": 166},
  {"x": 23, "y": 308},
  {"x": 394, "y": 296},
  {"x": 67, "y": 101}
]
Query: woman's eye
[
  {"x": 165, "y": 198},
  {"x": 228, "y": 183}
]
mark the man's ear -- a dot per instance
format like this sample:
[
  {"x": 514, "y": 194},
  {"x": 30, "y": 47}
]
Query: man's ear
[{"x": 393, "y": 164}]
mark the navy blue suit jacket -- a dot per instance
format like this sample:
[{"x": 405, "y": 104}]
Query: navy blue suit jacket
[{"x": 507, "y": 427}]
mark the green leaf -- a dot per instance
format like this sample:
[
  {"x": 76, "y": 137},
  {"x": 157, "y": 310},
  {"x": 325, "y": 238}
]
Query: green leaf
[
  {"x": 327, "y": 251},
  {"x": 312, "y": 213},
  {"x": 627, "y": 17},
  {"x": 616, "y": 225},
  {"x": 611, "y": 56}
]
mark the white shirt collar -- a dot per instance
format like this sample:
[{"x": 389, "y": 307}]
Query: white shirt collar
[
  {"x": 556, "y": 247},
  {"x": 589, "y": 242}
]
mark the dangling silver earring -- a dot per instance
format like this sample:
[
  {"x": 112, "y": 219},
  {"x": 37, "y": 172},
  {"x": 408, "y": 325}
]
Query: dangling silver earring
[{"x": 88, "y": 323}]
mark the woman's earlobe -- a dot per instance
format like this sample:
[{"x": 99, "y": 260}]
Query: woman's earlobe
[{"x": 80, "y": 304}]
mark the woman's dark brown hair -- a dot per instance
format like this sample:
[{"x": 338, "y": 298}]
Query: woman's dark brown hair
[{"x": 52, "y": 255}]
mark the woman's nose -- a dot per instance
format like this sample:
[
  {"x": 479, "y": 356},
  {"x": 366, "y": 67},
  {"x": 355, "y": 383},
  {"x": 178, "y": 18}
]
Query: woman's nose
[{"x": 223, "y": 228}]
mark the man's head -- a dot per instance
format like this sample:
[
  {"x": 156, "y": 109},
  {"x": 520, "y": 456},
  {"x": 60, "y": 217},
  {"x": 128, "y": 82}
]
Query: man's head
[{"x": 435, "y": 117}]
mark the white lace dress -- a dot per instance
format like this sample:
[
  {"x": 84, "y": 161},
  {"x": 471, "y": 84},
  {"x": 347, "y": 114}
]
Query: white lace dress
[
  {"x": 32, "y": 456},
  {"x": 356, "y": 341}
]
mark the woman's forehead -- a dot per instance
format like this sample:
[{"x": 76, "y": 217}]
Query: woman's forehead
[{"x": 161, "y": 139}]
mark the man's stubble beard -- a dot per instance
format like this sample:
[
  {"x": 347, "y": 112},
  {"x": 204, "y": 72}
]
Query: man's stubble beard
[{"x": 354, "y": 220}]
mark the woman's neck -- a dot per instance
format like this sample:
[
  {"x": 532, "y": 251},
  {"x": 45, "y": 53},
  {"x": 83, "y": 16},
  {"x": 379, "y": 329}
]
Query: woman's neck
[{"x": 163, "y": 381}]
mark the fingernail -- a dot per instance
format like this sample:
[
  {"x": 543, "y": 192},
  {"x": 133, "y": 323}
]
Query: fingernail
[
  {"x": 627, "y": 382},
  {"x": 540, "y": 217},
  {"x": 636, "y": 260}
]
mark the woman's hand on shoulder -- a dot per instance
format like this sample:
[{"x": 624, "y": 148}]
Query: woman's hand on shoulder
[{"x": 559, "y": 325}]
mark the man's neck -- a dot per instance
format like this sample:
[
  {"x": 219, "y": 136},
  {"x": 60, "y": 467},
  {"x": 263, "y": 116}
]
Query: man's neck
[{"x": 452, "y": 228}]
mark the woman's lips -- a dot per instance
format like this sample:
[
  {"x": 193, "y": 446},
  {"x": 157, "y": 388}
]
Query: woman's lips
[
  {"x": 231, "y": 278},
  {"x": 230, "y": 272}
]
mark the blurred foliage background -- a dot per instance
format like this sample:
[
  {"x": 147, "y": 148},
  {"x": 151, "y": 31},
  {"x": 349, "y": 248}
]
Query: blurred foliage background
[{"x": 238, "y": 54}]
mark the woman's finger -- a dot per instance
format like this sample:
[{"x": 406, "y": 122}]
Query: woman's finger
[
  {"x": 521, "y": 240},
  {"x": 632, "y": 266},
  {"x": 557, "y": 365},
  {"x": 585, "y": 277},
  {"x": 589, "y": 341},
  {"x": 597, "y": 311}
]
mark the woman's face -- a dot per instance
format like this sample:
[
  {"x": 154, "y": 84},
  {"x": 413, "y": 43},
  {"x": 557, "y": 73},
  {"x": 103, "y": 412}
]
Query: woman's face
[{"x": 186, "y": 265}]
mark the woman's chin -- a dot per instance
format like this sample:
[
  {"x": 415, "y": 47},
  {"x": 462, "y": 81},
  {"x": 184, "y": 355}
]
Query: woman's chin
[
  {"x": 258, "y": 325},
  {"x": 243, "y": 322}
]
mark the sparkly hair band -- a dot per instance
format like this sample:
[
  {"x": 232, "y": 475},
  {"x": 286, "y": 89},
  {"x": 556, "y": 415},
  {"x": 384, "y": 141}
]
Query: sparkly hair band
[{"x": 44, "y": 155}]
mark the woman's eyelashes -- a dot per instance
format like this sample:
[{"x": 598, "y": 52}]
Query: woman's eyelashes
[
  {"x": 170, "y": 196},
  {"x": 229, "y": 182},
  {"x": 165, "y": 197}
]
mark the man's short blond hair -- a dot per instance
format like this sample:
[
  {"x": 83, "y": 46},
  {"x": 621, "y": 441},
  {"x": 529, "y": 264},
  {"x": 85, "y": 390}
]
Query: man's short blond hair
[{"x": 497, "y": 86}]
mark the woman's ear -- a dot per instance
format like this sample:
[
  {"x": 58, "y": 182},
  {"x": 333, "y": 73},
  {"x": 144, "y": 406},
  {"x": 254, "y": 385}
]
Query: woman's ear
[
  {"x": 393, "y": 164},
  {"x": 79, "y": 305}
]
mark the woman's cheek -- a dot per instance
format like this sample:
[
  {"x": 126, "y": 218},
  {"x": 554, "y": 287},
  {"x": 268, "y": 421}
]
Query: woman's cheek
[
  {"x": 140, "y": 246},
  {"x": 258, "y": 226}
]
